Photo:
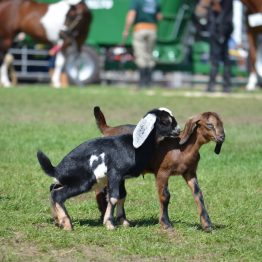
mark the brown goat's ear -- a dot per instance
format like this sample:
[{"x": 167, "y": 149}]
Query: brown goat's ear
[
  {"x": 190, "y": 126},
  {"x": 218, "y": 148}
]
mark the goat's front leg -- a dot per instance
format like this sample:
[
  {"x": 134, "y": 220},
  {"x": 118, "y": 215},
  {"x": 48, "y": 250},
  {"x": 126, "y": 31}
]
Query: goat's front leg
[
  {"x": 113, "y": 192},
  {"x": 121, "y": 214},
  {"x": 192, "y": 182},
  {"x": 109, "y": 215},
  {"x": 164, "y": 197}
]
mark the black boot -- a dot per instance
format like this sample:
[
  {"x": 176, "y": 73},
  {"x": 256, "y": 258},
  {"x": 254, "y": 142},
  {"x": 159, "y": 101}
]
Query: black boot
[
  {"x": 148, "y": 78},
  {"x": 142, "y": 77},
  {"x": 211, "y": 86},
  {"x": 226, "y": 80},
  {"x": 212, "y": 77}
]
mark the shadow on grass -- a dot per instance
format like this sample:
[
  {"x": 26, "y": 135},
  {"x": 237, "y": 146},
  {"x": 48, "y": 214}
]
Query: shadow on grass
[
  {"x": 198, "y": 226},
  {"x": 133, "y": 223},
  {"x": 89, "y": 222},
  {"x": 144, "y": 222}
]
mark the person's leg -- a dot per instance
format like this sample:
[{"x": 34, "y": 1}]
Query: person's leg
[
  {"x": 139, "y": 48},
  {"x": 149, "y": 59},
  {"x": 227, "y": 68},
  {"x": 214, "y": 63}
]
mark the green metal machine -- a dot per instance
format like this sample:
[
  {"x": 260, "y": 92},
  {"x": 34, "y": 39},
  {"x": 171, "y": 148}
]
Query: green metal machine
[{"x": 172, "y": 50}]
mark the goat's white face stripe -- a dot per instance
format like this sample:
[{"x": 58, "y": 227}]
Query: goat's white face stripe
[
  {"x": 54, "y": 20},
  {"x": 165, "y": 109}
]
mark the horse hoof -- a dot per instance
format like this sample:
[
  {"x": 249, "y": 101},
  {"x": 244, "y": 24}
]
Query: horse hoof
[
  {"x": 6, "y": 85},
  {"x": 57, "y": 86}
]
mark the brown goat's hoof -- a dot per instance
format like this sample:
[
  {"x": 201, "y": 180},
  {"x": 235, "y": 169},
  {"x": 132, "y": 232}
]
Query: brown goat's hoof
[
  {"x": 166, "y": 226},
  {"x": 208, "y": 229}
]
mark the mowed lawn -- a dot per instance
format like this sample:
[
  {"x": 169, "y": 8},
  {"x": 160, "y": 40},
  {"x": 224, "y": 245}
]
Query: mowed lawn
[{"x": 56, "y": 121}]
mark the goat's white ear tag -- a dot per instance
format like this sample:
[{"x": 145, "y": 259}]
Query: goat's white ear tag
[{"x": 143, "y": 129}]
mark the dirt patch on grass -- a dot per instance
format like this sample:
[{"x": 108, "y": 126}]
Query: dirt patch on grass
[{"x": 19, "y": 250}]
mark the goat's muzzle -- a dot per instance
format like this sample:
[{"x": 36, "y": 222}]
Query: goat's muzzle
[{"x": 176, "y": 132}]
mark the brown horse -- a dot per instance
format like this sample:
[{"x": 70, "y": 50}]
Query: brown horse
[
  {"x": 66, "y": 22},
  {"x": 254, "y": 28}
]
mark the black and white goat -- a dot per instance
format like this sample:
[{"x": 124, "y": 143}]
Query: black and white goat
[{"x": 107, "y": 161}]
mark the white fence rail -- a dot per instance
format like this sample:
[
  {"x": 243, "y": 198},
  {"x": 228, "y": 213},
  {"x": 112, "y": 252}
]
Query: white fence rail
[{"x": 31, "y": 64}]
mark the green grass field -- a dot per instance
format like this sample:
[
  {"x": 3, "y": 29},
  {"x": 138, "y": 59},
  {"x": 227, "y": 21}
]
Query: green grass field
[{"x": 56, "y": 121}]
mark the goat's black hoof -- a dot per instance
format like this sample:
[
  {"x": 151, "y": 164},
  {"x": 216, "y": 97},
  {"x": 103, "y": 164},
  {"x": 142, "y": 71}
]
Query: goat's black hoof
[
  {"x": 109, "y": 225},
  {"x": 123, "y": 221}
]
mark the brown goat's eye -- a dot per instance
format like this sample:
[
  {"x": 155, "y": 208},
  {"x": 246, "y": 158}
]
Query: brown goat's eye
[{"x": 210, "y": 126}]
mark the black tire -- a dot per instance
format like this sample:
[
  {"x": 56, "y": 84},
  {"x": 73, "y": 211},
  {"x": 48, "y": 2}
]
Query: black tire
[{"x": 82, "y": 68}]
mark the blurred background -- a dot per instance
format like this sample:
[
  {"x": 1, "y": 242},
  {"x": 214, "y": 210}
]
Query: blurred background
[{"x": 181, "y": 53}]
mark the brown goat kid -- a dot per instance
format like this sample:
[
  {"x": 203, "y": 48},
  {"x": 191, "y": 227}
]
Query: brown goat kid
[{"x": 176, "y": 157}]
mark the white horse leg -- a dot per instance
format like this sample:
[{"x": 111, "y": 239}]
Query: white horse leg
[
  {"x": 59, "y": 63},
  {"x": 252, "y": 82},
  {"x": 4, "y": 74},
  {"x": 259, "y": 57}
]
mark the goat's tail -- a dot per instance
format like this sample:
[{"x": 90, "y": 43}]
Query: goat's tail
[
  {"x": 46, "y": 164},
  {"x": 100, "y": 119}
]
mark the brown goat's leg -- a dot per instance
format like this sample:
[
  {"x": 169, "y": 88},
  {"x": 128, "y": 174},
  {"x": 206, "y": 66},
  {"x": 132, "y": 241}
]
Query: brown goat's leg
[
  {"x": 199, "y": 199},
  {"x": 101, "y": 201},
  {"x": 164, "y": 197}
]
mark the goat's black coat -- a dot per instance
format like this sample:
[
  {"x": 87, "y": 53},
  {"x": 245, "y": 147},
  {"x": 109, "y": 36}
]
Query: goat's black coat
[{"x": 120, "y": 155}]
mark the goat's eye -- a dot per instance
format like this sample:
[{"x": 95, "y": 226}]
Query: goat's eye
[
  {"x": 165, "y": 123},
  {"x": 210, "y": 126}
]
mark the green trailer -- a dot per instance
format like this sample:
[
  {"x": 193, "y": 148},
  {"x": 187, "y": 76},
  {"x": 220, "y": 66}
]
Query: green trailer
[{"x": 175, "y": 36}]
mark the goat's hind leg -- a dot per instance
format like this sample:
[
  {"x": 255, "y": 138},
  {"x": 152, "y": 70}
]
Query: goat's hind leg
[
  {"x": 59, "y": 212},
  {"x": 53, "y": 209},
  {"x": 121, "y": 214},
  {"x": 60, "y": 195}
]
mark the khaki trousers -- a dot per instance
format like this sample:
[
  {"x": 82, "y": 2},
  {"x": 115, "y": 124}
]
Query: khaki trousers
[{"x": 143, "y": 44}]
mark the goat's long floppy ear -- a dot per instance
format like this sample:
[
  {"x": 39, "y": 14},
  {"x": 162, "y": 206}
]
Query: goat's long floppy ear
[
  {"x": 190, "y": 126},
  {"x": 218, "y": 148},
  {"x": 143, "y": 129}
]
